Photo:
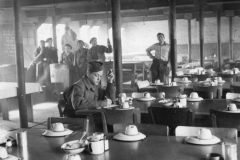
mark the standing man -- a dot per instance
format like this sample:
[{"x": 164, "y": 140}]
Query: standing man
[
  {"x": 80, "y": 60},
  {"x": 160, "y": 66},
  {"x": 97, "y": 53},
  {"x": 51, "y": 51}
]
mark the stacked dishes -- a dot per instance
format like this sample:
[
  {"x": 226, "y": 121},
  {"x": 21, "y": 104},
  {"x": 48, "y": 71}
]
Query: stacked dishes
[
  {"x": 131, "y": 134},
  {"x": 57, "y": 130}
]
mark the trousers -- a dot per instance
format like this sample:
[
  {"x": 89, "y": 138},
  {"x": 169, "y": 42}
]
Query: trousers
[{"x": 159, "y": 70}]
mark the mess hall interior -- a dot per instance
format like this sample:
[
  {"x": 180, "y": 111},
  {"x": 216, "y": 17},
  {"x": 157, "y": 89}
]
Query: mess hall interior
[{"x": 119, "y": 79}]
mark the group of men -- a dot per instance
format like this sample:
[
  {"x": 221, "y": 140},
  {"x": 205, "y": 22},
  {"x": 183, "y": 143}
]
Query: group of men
[
  {"x": 88, "y": 70},
  {"x": 87, "y": 94}
]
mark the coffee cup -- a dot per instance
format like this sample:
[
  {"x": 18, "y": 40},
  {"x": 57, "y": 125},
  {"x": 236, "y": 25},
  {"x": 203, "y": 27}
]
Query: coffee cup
[
  {"x": 3, "y": 153},
  {"x": 185, "y": 79},
  {"x": 58, "y": 127},
  {"x": 219, "y": 78},
  {"x": 161, "y": 95},
  {"x": 194, "y": 95},
  {"x": 131, "y": 130},
  {"x": 231, "y": 107},
  {"x": 157, "y": 81},
  {"x": 96, "y": 147},
  {"x": 204, "y": 134},
  {"x": 125, "y": 105},
  {"x": 174, "y": 83},
  {"x": 147, "y": 95}
]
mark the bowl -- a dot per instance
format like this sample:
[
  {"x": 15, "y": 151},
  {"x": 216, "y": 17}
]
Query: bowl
[
  {"x": 71, "y": 148},
  {"x": 58, "y": 127},
  {"x": 131, "y": 130}
]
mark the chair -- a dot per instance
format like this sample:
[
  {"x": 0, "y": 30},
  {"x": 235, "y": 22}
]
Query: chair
[
  {"x": 61, "y": 107},
  {"x": 120, "y": 116},
  {"x": 144, "y": 86},
  {"x": 73, "y": 123},
  {"x": 148, "y": 129},
  {"x": 225, "y": 119},
  {"x": 213, "y": 89},
  {"x": 235, "y": 89},
  {"x": 219, "y": 132},
  {"x": 228, "y": 77},
  {"x": 170, "y": 91},
  {"x": 201, "y": 77},
  {"x": 232, "y": 95},
  {"x": 172, "y": 117}
]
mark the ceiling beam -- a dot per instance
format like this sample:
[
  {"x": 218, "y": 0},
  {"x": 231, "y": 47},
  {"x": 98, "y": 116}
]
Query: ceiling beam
[{"x": 100, "y": 7}]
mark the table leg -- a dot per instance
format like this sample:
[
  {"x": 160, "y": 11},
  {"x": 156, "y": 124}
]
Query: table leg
[
  {"x": 5, "y": 108},
  {"x": 29, "y": 107},
  {"x": 143, "y": 71}
]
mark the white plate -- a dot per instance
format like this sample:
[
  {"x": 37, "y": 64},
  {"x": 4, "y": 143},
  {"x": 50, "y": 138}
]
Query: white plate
[
  {"x": 146, "y": 99},
  {"x": 125, "y": 108},
  {"x": 111, "y": 106},
  {"x": 194, "y": 99},
  {"x": 185, "y": 82},
  {"x": 124, "y": 137},
  {"x": 11, "y": 157},
  {"x": 50, "y": 133},
  {"x": 195, "y": 140},
  {"x": 237, "y": 111},
  {"x": 157, "y": 84}
]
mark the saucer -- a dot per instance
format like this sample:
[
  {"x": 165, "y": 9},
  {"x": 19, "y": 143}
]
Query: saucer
[
  {"x": 124, "y": 137},
  {"x": 237, "y": 111},
  {"x": 125, "y": 108},
  {"x": 11, "y": 157},
  {"x": 146, "y": 99},
  {"x": 195, "y": 140},
  {"x": 157, "y": 84},
  {"x": 185, "y": 82},
  {"x": 50, "y": 133},
  {"x": 194, "y": 99}
]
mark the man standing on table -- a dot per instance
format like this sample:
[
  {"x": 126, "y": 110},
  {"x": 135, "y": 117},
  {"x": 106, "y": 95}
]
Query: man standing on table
[
  {"x": 159, "y": 68},
  {"x": 86, "y": 93},
  {"x": 97, "y": 53}
]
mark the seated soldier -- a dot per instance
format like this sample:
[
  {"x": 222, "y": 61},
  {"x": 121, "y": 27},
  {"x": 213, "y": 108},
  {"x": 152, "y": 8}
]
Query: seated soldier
[{"x": 87, "y": 93}]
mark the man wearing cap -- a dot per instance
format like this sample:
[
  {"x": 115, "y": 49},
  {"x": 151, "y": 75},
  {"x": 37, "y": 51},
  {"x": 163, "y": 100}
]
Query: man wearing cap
[
  {"x": 97, "y": 53},
  {"x": 159, "y": 68},
  {"x": 86, "y": 93},
  {"x": 51, "y": 52}
]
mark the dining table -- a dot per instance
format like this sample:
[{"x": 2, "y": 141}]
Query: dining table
[{"x": 153, "y": 147}]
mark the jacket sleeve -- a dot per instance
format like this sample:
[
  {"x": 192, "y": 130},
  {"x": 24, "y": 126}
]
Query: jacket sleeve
[
  {"x": 79, "y": 101},
  {"x": 109, "y": 92}
]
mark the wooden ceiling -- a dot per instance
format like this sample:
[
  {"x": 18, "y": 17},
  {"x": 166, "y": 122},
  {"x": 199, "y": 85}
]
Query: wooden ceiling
[{"x": 78, "y": 10}]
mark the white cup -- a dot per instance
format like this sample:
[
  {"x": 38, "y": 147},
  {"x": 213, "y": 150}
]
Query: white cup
[
  {"x": 185, "y": 79},
  {"x": 123, "y": 95},
  {"x": 194, "y": 95},
  {"x": 204, "y": 134},
  {"x": 3, "y": 153},
  {"x": 231, "y": 107},
  {"x": 147, "y": 95},
  {"x": 58, "y": 127},
  {"x": 96, "y": 147},
  {"x": 157, "y": 81},
  {"x": 125, "y": 105},
  {"x": 131, "y": 130},
  {"x": 174, "y": 83}
]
